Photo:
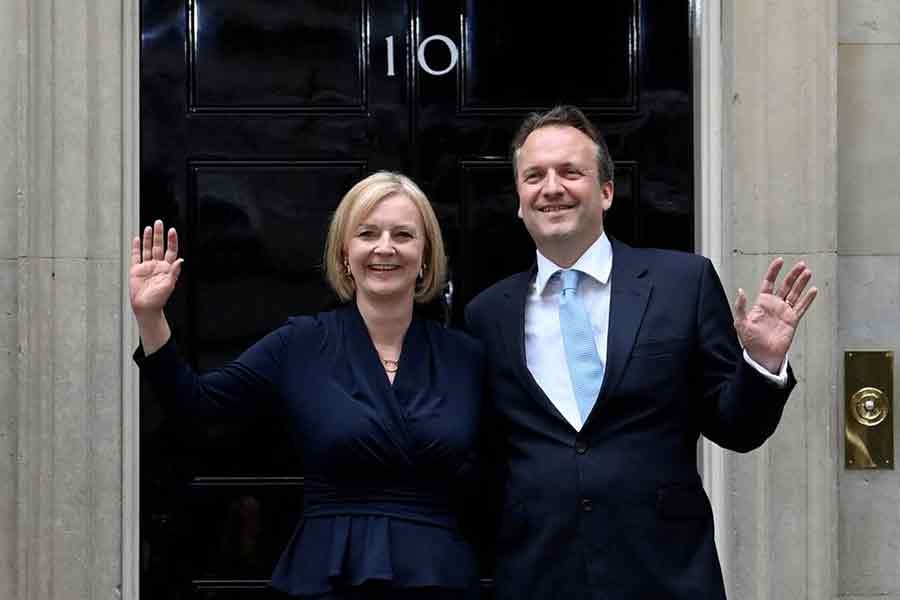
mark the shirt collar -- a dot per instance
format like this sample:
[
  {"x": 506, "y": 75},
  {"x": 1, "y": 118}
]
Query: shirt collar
[{"x": 596, "y": 262}]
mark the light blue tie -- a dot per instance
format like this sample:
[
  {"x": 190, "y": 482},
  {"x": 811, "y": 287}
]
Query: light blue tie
[{"x": 585, "y": 367}]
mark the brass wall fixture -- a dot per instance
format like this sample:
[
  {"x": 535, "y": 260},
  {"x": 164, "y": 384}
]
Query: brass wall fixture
[{"x": 869, "y": 419}]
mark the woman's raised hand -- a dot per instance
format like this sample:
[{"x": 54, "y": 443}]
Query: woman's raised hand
[{"x": 154, "y": 270}]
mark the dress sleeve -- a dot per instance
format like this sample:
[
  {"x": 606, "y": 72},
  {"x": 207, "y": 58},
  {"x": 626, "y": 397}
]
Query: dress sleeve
[{"x": 242, "y": 386}]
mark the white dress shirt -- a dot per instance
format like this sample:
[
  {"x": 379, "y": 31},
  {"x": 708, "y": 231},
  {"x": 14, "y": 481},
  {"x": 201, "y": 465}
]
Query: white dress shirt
[{"x": 545, "y": 354}]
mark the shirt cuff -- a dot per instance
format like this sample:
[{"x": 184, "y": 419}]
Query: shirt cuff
[{"x": 779, "y": 379}]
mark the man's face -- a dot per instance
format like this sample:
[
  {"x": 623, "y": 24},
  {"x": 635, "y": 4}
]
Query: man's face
[{"x": 561, "y": 198}]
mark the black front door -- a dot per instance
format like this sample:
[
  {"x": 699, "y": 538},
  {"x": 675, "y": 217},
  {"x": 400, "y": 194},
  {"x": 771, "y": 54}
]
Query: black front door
[{"x": 256, "y": 117}]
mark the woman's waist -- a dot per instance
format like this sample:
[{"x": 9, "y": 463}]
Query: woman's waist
[{"x": 404, "y": 500}]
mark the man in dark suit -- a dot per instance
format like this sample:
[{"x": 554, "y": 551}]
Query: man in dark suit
[{"x": 606, "y": 364}]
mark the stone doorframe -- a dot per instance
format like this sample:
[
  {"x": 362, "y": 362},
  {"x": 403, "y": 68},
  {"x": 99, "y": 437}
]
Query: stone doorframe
[{"x": 131, "y": 168}]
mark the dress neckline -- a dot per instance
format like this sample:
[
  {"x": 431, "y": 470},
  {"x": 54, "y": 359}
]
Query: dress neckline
[{"x": 411, "y": 345}]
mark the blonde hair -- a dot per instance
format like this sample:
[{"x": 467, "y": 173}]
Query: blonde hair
[{"x": 359, "y": 202}]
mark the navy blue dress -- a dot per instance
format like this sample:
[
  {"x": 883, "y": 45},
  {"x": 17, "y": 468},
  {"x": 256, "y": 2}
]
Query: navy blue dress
[{"x": 382, "y": 463}]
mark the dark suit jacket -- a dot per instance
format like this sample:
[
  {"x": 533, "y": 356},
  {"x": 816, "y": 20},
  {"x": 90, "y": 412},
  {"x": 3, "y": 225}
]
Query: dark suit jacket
[{"x": 617, "y": 510}]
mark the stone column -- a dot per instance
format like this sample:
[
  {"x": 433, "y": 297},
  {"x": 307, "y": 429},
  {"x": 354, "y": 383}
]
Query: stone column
[
  {"x": 869, "y": 267},
  {"x": 9, "y": 154},
  {"x": 60, "y": 298},
  {"x": 779, "y": 527}
]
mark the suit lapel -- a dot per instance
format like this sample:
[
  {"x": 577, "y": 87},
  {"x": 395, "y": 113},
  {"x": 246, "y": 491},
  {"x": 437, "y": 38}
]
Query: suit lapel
[
  {"x": 513, "y": 333},
  {"x": 629, "y": 295}
]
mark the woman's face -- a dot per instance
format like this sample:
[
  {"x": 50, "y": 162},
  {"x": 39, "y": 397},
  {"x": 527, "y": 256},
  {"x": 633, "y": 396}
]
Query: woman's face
[{"x": 385, "y": 249}]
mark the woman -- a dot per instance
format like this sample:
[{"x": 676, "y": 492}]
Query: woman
[{"x": 385, "y": 403}]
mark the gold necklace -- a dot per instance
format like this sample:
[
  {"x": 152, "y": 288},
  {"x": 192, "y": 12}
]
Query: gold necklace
[{"x": 390, "y": 366}]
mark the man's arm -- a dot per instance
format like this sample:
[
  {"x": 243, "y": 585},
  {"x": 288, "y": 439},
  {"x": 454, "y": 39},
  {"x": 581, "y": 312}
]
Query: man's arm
[{"x": 740, "y": 407}]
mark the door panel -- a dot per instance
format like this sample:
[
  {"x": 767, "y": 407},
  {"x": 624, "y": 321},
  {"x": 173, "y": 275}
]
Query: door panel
[
  {"x": 257, "y": 225},
  {"x": 258, "y": 115},
  {"x": 259, "y": 57},
  {"x": 515, "y": 60}
]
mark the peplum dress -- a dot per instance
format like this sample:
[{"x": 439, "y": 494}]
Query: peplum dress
[{"x": 383, "y": 464}]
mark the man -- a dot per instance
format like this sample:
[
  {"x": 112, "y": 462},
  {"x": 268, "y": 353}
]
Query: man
[{"x": 606, "y": 364}]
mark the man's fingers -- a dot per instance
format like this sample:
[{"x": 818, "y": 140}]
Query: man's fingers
[
  {"x": 768, "y": 282},
  {"x": 740, "y": 305},
  {"x": 172, "y": 245},
  {"x": 790, "y": 279},
  {"x": 148, "y": 243},
  {"x": 799, "y": 283},
  {"x": 135, "y": 250},
  {"x": 805, "y": 302}
]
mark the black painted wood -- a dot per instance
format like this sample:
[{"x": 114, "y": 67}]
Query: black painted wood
[{"x": 256, "y": 117}]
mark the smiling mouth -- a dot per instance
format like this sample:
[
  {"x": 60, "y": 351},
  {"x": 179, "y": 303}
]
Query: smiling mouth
[
  {"x": 555, "y": 208},
  {"x": 384, "y": 268}
]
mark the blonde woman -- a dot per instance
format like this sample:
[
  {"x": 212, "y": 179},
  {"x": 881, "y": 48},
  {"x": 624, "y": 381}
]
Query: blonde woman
[{"x": 385, "y": 403}]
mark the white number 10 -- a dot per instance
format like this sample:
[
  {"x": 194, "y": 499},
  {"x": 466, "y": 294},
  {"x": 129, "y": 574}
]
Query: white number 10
[{"x": 420, "y": 55}]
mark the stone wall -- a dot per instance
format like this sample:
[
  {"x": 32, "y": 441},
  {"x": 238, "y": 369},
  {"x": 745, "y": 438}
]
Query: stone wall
[
  {"x": 869, "y": 272},
  {"x": 61, "y": 115},
  {"x": 780, "y": 199}
]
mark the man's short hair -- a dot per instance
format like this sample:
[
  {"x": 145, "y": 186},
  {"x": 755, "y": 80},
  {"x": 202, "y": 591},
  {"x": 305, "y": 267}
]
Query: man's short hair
[{"x": 565, "y": 116}]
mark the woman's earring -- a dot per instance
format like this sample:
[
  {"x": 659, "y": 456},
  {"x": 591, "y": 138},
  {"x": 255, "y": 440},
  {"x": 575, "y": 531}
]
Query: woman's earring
[
  {"x": 347, "y": 272},
  {"x": 422, "y": 272}
]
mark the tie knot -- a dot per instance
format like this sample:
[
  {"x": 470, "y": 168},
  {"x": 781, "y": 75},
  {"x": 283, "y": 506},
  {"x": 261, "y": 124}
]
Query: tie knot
[{"x": 569, "y": 280}]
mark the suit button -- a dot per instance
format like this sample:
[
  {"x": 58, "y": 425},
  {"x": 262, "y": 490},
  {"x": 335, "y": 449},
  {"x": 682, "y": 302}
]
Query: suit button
[
  {"x": 581, "y": 446},
  {"x": 587, "y": 505}
]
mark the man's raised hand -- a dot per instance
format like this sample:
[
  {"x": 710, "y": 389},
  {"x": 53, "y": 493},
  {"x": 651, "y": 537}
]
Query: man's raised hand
[{"x": 767, "y": 329}]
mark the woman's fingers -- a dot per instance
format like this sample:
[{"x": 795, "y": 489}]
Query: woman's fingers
[
  {"x": 147, "y": 248},
  {"x": 154, "y": 244},
  {"x": 135, "y": 250},
  {"x": 176, "y": 269},
  {"x": 172, "y": 246},
  {"x": 158, "y": 240}
]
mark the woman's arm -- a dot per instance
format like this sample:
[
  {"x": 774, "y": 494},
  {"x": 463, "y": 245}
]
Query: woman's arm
[{"x": 231, "y": 389}]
